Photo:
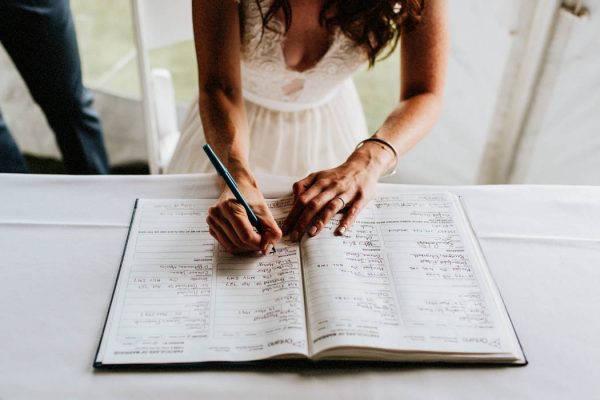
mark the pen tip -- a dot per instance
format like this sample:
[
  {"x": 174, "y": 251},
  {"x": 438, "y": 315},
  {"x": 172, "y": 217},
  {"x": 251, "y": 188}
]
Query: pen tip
[{"x": 269, "y": 249}]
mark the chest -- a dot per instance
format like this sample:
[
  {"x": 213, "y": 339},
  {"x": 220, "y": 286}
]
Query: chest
[
  {"x": 307, "y": 40},
  {"x": 307, "y": 55}
]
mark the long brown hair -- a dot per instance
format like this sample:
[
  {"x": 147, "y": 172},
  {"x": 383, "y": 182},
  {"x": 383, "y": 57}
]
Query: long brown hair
[{"x": 373, "y": 24}]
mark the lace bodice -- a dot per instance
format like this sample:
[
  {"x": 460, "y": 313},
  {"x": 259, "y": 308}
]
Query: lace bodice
[{"x": 268, "y": 81}]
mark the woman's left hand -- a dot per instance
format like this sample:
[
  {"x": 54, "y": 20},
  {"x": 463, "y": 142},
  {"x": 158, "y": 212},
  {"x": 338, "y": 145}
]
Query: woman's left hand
[{"x": 347, "y": 188}]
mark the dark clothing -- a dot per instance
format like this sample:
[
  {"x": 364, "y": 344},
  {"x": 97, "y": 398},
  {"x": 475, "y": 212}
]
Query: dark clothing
[{"x": 39, "y": 36}]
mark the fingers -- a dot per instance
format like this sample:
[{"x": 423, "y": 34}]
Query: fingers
[
  {"x": 229, "y": 224},
  {"x": 300, "y": 187},
  {"x": 271, "y": 231},
  {"x": 220, "y": 236},
  {"x": 225, "y": 232},
  {"x": 237, "y": 224},
  {"x": 301, "y": 201},
  {"x": 332, "y": 208},
  {"x": 358, "y": 203},
  {"x": 311, "y": 209},
  {"x": 231, "y": 227}
]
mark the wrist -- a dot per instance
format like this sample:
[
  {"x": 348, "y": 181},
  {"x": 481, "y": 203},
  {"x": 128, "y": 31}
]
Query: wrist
[
  {"x": 374, "y": 157},
  {"x": 241, "y": 174},
  {"x": 244, "y": 185}
]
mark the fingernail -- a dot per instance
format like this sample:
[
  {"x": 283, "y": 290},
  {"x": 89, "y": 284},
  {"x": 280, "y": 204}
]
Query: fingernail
[
  {"x": 312, "y": 230},
  {"x": 342, "y": 229},
  {"x": 267, "y": 249},
  {"x": 294, "y": 236}
]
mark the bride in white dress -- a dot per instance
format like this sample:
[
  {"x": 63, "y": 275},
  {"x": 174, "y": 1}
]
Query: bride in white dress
[
  {"x": 298, "y": 121},
  {"x": 276, "y": 96}
]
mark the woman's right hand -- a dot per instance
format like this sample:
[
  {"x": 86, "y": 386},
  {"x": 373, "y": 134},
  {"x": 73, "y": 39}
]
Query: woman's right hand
[{"x": 229, "y": 224}]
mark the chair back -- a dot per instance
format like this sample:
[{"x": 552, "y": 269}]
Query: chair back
[
  {"x": 159, "y": 23},
  {"x": 163, "y": 23}
]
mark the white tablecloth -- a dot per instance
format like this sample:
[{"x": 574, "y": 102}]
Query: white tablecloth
[{"x": 61, "y": 240}]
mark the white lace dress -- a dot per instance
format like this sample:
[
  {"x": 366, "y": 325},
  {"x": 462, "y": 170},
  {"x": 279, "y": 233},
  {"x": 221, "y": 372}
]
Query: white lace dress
[{"x": 299, "y": 122}]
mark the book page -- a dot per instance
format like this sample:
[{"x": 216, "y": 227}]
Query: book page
[
  {"x": 404, "y": 277},
  {"x": 350, "y": 296},
  {"x": 181, "y": 298}
]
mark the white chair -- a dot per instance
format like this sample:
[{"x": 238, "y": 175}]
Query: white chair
[{"x": 159, "y": 23}]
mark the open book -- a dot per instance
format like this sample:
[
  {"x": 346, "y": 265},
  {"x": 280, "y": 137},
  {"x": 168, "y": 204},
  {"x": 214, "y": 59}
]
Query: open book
[{"x": 407, "y": 282}]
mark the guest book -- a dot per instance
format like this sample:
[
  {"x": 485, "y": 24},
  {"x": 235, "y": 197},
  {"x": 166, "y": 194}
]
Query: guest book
[{"x": 407, "y": 283}]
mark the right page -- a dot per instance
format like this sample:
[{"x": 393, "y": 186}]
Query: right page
[{"x": 407, "y": 277}]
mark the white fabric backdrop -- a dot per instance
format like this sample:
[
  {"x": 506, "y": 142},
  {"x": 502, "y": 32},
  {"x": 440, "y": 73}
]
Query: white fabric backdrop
[
  {"x": 567, "y": 147},
  {"x": 61, "y": 240},
  {"x": 480, "y": 43}
]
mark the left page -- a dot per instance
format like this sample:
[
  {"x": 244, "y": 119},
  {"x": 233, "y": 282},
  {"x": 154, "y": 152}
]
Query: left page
[{"x": 180, "y": 298}]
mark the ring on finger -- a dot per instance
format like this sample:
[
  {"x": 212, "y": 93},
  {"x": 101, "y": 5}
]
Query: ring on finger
[{"x": 342, "y": 200}]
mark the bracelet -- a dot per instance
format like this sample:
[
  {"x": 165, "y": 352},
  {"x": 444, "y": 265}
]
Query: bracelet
[{"x": 384, "y": 142}]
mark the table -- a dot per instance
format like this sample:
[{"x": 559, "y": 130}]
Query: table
[{"x": 61, "y": 239}]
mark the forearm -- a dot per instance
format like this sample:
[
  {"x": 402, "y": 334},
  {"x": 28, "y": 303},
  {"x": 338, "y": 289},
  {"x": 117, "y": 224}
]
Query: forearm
[
  {"x": 406, "y": 125},
  {"x": 226, "y": 129},
  {"x": 217, "y": 42},
  {"x": 424, "y": 55},
  {"x": 410, "y": 121}
]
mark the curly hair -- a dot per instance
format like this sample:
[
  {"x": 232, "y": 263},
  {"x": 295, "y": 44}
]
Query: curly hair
[{"x": 376, "y": 25}]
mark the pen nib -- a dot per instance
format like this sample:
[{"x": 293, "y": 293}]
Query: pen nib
[{"x": 269, "y": 249}]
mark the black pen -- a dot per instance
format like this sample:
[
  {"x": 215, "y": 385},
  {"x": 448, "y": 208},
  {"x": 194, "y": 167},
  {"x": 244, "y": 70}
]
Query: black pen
[{"x": 232, "y": 185}]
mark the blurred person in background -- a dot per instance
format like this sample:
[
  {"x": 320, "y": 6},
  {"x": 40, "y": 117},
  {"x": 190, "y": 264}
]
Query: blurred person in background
[{"x": 39, "y": 36}]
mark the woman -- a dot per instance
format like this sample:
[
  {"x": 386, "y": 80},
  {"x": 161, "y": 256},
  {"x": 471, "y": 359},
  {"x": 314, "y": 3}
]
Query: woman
[{"x": 276, "y": 96}]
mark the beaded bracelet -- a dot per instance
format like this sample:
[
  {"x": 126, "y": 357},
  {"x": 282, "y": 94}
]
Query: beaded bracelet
[{"x": 373, "y": 138}]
